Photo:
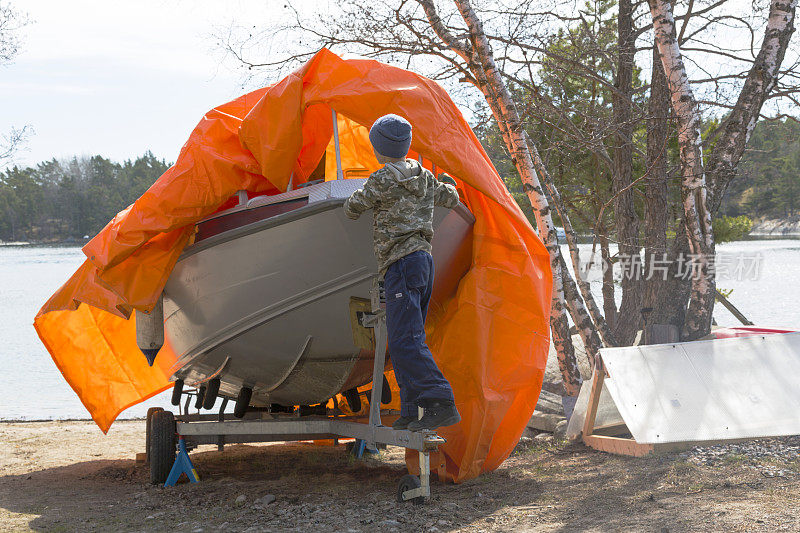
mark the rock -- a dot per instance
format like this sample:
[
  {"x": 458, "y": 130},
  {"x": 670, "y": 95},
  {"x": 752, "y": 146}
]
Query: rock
[
  {"x": 390, "y": 523},
  {"x": 264, "y": 500},
  {"x": 240, "y": 499},
  {"x": 549, "y": 403},
  {"x": 543, "y": 437},
  {"x": 560, "y": 431},
  {"x": 552, "y": 374},
  {"x": 544, "y": 421}
]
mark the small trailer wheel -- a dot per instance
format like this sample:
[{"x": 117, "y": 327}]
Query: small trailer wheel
[
  {"x": 212, "y": 390},
  {"x": 161, "y": 446},
  {"x": 409, "y": 482},
  {"x": 177, "y": 390}
]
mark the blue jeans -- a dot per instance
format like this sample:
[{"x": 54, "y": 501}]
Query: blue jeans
[{"x": 408, "y": 284}]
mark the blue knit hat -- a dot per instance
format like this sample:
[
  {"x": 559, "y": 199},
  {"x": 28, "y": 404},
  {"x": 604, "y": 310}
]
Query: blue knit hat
[{"x": 390, "y": 135}]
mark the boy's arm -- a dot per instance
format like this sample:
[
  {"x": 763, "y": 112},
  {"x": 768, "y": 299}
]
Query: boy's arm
[
  {"x": 444, "y": 194},
  {"x": 362, "y": 199}
]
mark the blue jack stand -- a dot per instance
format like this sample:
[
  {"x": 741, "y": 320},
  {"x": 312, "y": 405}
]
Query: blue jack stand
[
  {"x": 183, "y": 465},
  {"x": 360, "y": 447}
]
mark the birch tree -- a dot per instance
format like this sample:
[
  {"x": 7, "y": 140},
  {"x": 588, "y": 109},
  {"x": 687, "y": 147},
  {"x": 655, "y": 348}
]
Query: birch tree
[
  {"x": 477, "y": 53},
  {"x": 698, "y": 204},
  {"x": 697, "y": 216}
]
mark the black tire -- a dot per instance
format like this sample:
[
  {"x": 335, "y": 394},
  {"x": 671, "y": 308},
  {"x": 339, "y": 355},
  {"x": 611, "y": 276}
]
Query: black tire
[
  {"x": 353, "y": 399},
  {"x": 386, "y": 392},
  {"x": 177, "y": 390},
  {"x": 201, "y": 393},
  {"x": 242, "y": 402},
  {"x": 162, "y": 446},
  {"x": 147, "y": 432},
  {"x": 409, "y": 482},
  {"x": 212, "y": 390}
]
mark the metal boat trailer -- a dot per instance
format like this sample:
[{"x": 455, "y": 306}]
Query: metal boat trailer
[{"x": 165, "y": 429}]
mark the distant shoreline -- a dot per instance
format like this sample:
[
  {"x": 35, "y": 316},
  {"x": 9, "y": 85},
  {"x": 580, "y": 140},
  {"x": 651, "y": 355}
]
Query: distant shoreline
[
  {"x": 783, "y": 228},
  {"x": 42, "y": 420}
]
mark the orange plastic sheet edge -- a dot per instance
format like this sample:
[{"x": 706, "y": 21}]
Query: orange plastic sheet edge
[{"x": 490, "y": 338}]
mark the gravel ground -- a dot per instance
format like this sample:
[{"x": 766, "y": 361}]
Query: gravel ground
[
  {"x": 67, "y": 476},
  {"x": 776, "y": 457}
]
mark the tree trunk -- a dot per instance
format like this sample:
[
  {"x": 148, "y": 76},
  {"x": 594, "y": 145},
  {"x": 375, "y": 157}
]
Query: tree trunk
[
  {"x": 478, "y": 54},
  {"x": 760, "y": 82},
  {"x": 697, "y": 217},
  {"x": 627, "y": 222},
  {"x": 655, "y": 191},
  {"x": 595, "y": 323},
  {"x": 609, "y": 301}
]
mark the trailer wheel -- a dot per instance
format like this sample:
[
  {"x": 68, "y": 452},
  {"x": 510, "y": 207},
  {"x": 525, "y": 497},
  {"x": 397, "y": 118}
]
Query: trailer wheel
[
  {"x": 161, "y": 446},
  {"x": 147, "y": 432},
  {"x": 409, "y": 482}
]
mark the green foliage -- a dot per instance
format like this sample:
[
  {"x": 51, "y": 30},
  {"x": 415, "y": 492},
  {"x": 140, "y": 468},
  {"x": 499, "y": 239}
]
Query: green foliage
[
  {"x": 63, "y": 200},
  {"x": 768, "y": 181},
  {"x": 728, "y": 229},
  {"x": 568, "y": 113}
]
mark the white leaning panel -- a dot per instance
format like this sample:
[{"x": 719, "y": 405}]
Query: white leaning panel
[{"x": 707, "y": 390}]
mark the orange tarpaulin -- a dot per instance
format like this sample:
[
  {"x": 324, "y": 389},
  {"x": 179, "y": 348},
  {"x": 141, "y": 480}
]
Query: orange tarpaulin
[{"x": 490, "y": 338}]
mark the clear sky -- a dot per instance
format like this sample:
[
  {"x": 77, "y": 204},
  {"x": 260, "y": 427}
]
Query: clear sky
[{"x": 118, "y": 78}]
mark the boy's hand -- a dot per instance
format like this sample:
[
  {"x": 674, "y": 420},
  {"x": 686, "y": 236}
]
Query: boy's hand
[{"x": 446, "y": 178}]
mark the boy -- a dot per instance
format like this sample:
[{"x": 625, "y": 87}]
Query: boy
[{"x": 402, "y": 195}]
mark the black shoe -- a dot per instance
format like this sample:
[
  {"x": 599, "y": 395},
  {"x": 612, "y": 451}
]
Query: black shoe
[
  {"x": 403, "y": 421},
  {"x": 438, "y": 413}
]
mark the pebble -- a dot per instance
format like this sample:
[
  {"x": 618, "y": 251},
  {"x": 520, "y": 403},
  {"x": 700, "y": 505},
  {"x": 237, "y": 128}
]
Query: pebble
[
  {"x": 240, "y": 499},
  {"x": 390, "y": 523},
  {"x": 561, "y": 430},
  {"x": 543, "y": 437},
  {"x": 264, "y": 500}
]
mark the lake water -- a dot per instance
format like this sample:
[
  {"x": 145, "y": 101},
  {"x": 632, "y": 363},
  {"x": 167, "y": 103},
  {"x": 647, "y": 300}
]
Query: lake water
[{"x": 32, "y": 387}]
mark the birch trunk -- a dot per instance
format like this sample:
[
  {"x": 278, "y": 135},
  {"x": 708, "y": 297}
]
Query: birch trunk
[
  {"x": 609, "y": 300},
  {"x": 760, "y": 82},
  {"x": 478, "y": 54},
  {"x": 595, "y": 323},
  {"x": 697, "y": 216}
]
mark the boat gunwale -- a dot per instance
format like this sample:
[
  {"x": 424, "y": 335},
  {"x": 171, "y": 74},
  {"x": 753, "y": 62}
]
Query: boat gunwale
[{"x": 284, "y": 218}]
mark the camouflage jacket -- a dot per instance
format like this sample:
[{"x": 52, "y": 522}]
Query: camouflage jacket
[{"x": 402, "y": 196}]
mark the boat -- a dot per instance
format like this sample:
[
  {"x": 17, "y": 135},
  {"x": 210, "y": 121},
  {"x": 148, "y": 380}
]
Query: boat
[{"x": 266, "y": 299}]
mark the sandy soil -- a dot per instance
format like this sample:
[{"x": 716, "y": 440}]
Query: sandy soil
[{"x": 67, "y": 476}]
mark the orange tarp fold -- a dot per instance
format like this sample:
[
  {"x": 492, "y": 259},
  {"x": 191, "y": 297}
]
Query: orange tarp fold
[{"x": 490, "y": 338}]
